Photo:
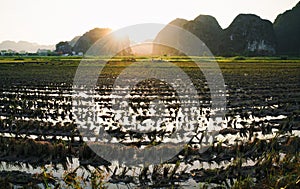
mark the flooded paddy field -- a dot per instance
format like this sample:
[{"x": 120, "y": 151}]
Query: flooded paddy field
[{"x": 43, "y": 144}]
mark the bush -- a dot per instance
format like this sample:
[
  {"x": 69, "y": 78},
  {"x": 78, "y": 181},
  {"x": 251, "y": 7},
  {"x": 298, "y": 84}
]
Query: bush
[
  {"x": 239, "y": 58},
  {"x": 283, "y": 58},
  {"x": 19, "y": 59}
]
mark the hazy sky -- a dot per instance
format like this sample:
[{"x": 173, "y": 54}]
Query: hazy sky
[{"x": 48, "y": 22}]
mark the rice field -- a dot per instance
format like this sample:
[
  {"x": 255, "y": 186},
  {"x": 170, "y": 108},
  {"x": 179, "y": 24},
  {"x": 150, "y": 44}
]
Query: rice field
[{"x": 42, "y": 145}]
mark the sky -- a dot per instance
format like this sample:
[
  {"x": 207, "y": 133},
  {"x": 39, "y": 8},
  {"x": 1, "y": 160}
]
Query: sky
[{"x": 49, "y": 21}]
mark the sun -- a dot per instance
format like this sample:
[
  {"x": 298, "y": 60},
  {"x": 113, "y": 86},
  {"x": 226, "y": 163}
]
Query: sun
[{"x": 120, "y": 35}]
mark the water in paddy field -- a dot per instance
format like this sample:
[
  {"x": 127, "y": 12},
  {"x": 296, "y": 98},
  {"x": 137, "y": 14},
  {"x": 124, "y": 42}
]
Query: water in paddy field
[{"x": 260, "y": 107}]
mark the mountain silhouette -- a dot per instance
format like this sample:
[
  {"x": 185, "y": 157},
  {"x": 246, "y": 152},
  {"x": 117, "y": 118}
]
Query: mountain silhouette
[
  {"x": 287, "y": 30},
  {"x": 23, "y": 46},
  {"x": 248, "y": 34}
]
